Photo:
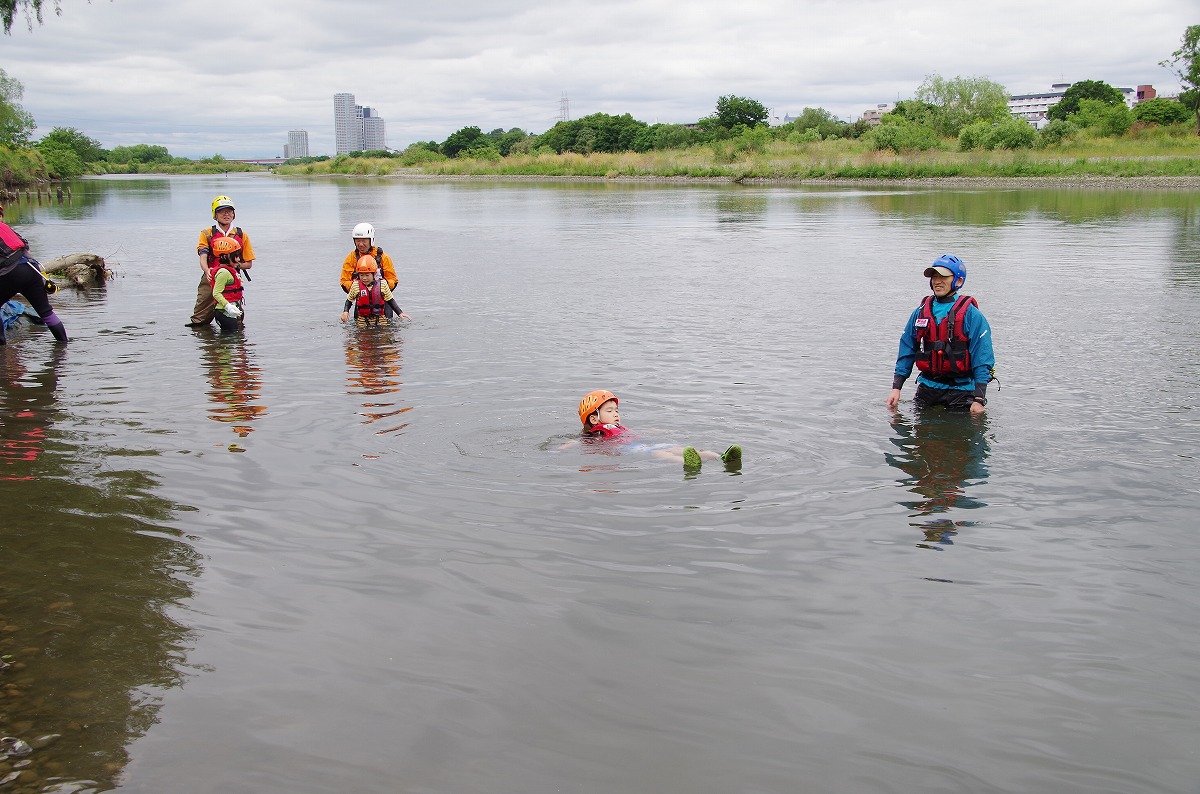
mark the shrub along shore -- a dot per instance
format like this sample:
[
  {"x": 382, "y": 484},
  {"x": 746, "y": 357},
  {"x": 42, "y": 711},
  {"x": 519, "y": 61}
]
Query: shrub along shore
[{"x": 1151, "y": 161}]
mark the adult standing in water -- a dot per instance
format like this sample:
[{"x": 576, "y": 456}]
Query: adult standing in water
[
  {"x": 19, "y": 273},
  {"x": 223, "y": 213},
  {"x": 364, "y": 245},
  {"x": 950, "y": 341}
]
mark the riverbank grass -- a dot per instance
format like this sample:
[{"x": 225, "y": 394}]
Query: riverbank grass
[{"x": 1149, "y": 153}]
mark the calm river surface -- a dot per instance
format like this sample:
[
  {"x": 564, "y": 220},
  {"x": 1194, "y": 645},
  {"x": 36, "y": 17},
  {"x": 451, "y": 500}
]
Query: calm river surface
[{"x": 314, "y": 559}]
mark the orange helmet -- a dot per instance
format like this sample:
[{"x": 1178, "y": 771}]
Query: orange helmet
[
  {"x": 591, "y": 403},
  {"x": 366, "y": 264},
  {"x": 225, "y": 245}
]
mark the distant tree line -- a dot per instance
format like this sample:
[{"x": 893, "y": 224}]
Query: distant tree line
[
  {"x": 975, "y": 112},
  {"x": 971, "y": 111}
]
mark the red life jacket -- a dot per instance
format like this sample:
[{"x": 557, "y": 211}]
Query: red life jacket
[
  {"x": 943, "y": 349},
  {"x": 370, "y": 300},
  {"x": 233, "y": 290},
  {"x": 12, "y": 247},
  {"x": 234, "y": 234},
  {"x": 606, "y": 431}
]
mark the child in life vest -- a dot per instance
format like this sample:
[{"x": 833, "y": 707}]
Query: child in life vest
[
  {"x": 227, "y": 283},
  {"x": 601, "y": 417},
  {"x": 369, "y": 294}
]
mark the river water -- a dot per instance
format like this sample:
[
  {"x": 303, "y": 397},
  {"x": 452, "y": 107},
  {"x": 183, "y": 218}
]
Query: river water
[{"x": 311, "y": 558}]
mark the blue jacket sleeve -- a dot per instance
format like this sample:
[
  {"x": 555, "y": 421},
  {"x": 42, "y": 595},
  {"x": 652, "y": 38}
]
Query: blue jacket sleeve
[
  {"x": 983, "y": 358},
  {"x": 907, "y": 354}
]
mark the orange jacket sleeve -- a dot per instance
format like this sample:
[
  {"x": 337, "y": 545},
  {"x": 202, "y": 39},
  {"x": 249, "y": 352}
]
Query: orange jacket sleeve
[
  {"x": 389, "y": 271},
  {"x": 348, "y": 270}
]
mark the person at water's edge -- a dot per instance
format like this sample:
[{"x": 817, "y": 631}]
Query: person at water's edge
[
  {"x": 950, "y": 342},
  {"x": 19, "y": 272}
]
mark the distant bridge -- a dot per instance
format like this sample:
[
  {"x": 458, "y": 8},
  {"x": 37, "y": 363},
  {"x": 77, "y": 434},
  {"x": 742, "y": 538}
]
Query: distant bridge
[{"x": 259, "y": 160}]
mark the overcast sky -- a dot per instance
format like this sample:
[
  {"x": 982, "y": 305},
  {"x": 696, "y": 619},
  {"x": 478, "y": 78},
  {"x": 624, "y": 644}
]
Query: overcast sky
[{"x": 233, "y": 78}]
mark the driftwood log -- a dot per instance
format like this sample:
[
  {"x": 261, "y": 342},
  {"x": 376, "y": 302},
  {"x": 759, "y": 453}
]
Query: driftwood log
[{"x": 78, "y": 269}]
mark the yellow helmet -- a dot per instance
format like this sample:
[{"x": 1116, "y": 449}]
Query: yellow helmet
[
  {"x": 591, "y": 403},
  {"x": 222, "y": 201}
]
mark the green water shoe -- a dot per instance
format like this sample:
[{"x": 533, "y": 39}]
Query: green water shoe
[{"x": 732, "y": 458}]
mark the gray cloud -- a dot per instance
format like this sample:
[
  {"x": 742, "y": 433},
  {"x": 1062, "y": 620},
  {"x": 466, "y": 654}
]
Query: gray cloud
[{"x": 201, "y": 79}]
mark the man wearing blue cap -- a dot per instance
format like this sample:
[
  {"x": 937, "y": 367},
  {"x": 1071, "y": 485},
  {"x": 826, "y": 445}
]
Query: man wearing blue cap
[{"x": 950, "y": 341}]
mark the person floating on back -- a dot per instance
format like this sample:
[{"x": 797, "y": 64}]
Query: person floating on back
[
  {"x": 227, "y": 283},
  {"x": 599, "y": 411},
  {"x": 223, "y": 213},
  {"x": 369, "y": 295},
  {"x": 19, "y": 272},
  {"x": 950, "y": 342}
]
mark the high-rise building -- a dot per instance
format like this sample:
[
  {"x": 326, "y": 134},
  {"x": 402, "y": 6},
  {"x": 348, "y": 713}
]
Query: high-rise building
[
  {"x": 346, "y": 130},
  {"x": 374, "y": 133},
  {"x": 356, "y": 127},
  {"x": 297, "y": 145}
]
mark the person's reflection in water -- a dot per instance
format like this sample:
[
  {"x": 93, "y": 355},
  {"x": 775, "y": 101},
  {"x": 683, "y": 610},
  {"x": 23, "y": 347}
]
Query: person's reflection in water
[
  {"x": 93, "y": 571},
  {"x": 27, "y": 409},
  {"x": 234, "y": 381},
  {"x": 942, "y": 453},
  {"x": 373, "y": 372}
]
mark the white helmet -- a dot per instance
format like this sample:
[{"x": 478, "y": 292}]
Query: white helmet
[{"x": 364, "y": 230}]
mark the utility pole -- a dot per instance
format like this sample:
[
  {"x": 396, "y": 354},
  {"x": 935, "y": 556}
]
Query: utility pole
[{"x": 564, "y": 108}]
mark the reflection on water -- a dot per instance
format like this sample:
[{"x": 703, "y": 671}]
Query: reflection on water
[
  {"x": 26, "y": 409},
  {"x": 234, "y": 381},
  {"x": 373, "y": 361},
  {"x": 942, "y": 453},
  {"x": 992, "y": 207},
  {"x": 87, "y": 576},
  {"x": 515, "y": 624}
]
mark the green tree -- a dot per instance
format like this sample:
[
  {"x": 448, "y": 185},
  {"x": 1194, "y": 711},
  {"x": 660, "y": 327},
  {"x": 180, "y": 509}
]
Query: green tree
[
  {"x": 16, "y": 124},
  {"x": 1185, "y": 63},
  {"x": 671, "y": 136},
  {"x": 899, "y": 134},
  {"x": 484, "y": 150},
  {"x": 734, "y": 110},
  {"x": 504, "y": 141},
  {"x": 32, "y": 9},
  {"x": 139, "y": 153},
  {"x": 916, "y": 111},
  {"x": 1085, "y": 89},
  {"x": 462, "y": 140},
  {"x": 87, "y": 149},
  {"x": 821, "y": 120},
  {"x": 1109, "y": 120},
  {"x": 1162, "y": 111},
  {"x": 961, "y": 101},
  {"x": 62, "y": 162},
  {"x": 598, "y": 132},
  {"x": 1055, "y": 132}
]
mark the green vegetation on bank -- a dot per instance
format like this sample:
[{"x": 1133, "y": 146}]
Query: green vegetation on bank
[{"x": 1145, "y": 150}]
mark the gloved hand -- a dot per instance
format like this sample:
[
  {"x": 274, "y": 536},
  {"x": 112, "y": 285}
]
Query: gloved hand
[{"x": 232, "y": 310}]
